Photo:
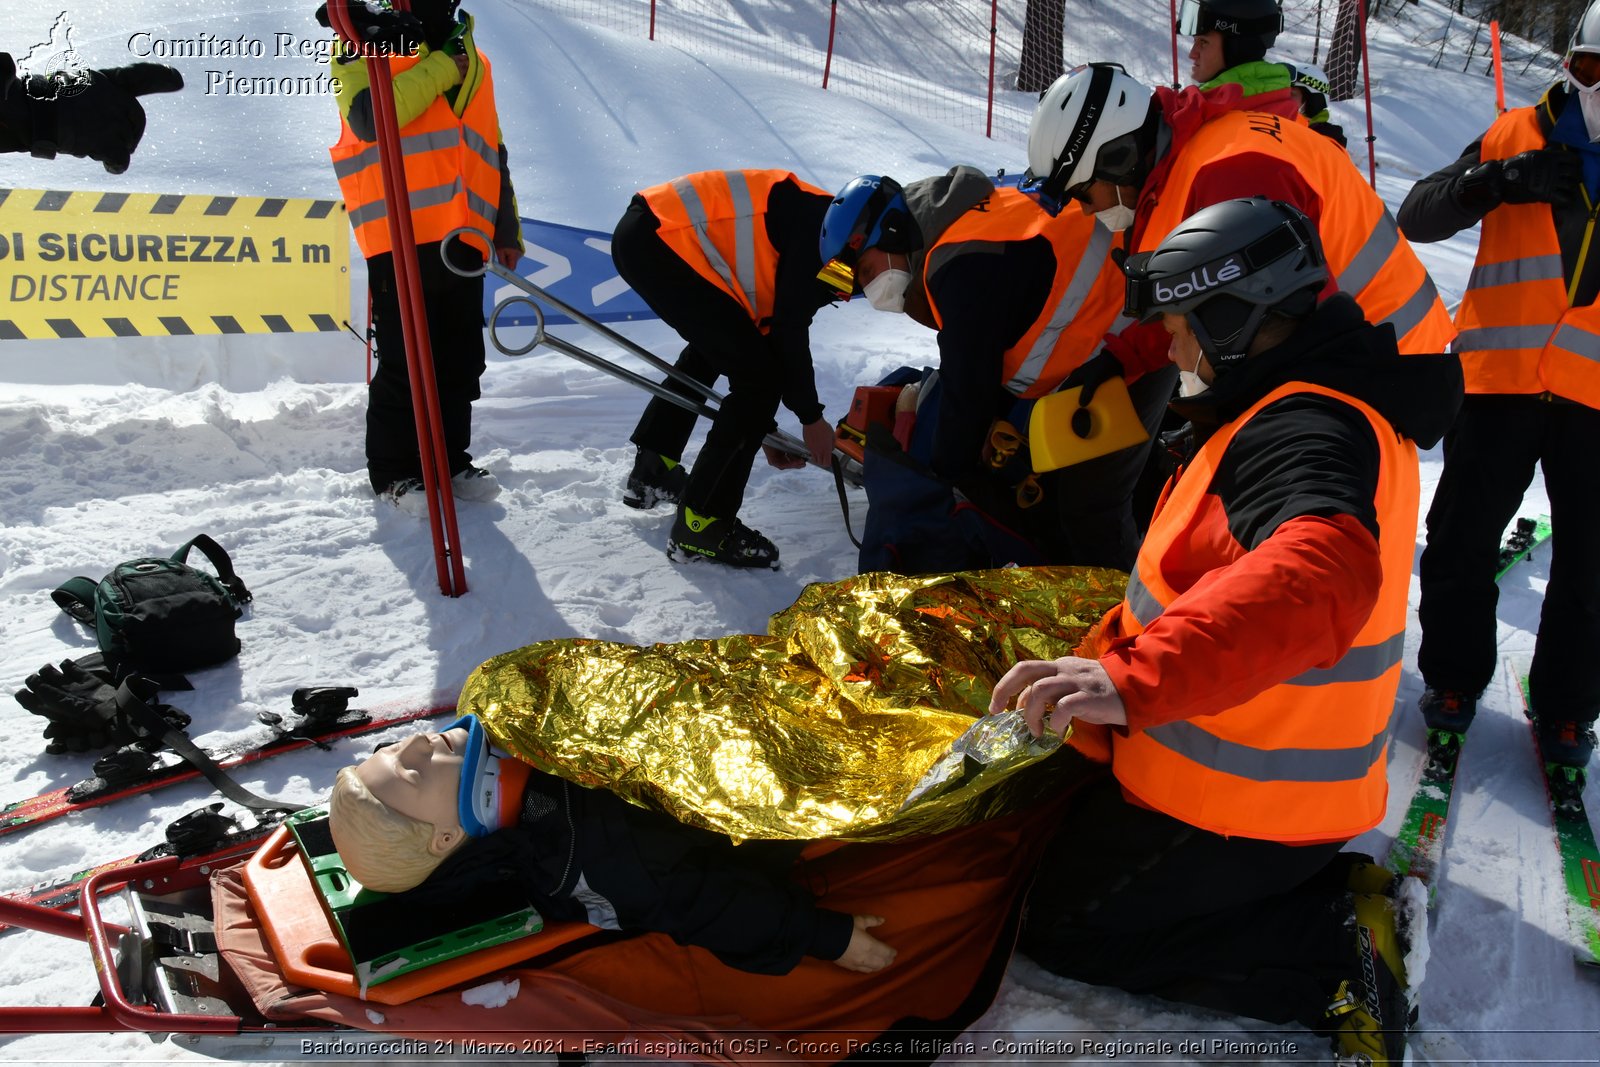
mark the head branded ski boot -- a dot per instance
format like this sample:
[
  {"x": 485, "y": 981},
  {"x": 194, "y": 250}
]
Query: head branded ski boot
[{"x": 719, "y": 540}]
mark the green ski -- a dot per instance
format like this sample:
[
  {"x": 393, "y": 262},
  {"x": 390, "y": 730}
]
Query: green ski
[
  {"x": 1580, "y": 858},
  {"x": 1419, "y": 844}
]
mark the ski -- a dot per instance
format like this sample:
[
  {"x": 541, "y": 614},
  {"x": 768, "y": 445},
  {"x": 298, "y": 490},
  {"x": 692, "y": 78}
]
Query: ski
[
  {"x": 1419, "y": 844},
  {"x": 205, "y": 838},
  {"x": 1580, "y": 857},
  {"x": 319, "y": 716},
  {"x": 1525, "y": 536}
]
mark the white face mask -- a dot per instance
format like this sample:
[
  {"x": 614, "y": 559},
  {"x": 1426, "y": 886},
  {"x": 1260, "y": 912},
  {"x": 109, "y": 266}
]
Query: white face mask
[
  {"x": 1589, "y": 101},
  {"x": 1116, "y": 218},
  {"x": 887, "y": 292},
  {"x": 1190, "y": 383}
]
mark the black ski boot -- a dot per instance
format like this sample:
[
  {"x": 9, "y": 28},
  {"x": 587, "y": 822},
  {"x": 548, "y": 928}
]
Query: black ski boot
[
  {"x": 1448, "y": 709},
  {"x": 719, "y": 540},
  {"x": 654, "y": 480}
]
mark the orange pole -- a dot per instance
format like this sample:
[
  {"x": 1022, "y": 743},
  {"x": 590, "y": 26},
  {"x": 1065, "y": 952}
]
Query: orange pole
[{"x": 1499, "y": 71}]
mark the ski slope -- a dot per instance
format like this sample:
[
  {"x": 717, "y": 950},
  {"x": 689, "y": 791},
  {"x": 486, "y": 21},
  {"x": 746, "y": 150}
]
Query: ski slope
[{"x": 116, "y": 449}]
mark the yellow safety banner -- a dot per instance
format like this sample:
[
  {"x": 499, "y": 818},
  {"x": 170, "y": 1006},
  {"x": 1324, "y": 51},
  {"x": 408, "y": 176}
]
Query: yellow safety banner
[{"x": 88, "y": 264}]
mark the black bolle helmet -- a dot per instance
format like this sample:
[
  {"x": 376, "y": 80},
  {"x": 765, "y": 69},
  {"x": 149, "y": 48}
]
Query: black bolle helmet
[{"x": 1224, "y": 268}]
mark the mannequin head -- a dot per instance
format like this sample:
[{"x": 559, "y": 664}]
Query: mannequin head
[{"x": 394, "y": 817}]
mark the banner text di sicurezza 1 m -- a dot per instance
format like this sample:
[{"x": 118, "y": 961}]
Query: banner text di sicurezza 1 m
[{"x": 93, "y": 264}]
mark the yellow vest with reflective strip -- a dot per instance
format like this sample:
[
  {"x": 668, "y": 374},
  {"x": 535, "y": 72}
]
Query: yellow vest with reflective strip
[
  {"x": 1519, "y": 332},
  {"x": 1303, "y": 760},
  {"x": 1085, "y": 296},
  {"x": 716, "y": 222},
  {"x": 452, "y": 169},
  {"x": 1369, "y": 258}
]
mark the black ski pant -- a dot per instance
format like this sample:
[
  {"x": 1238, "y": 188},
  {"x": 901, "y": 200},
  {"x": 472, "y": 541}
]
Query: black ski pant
[
  {"x": 1135, "y": 899},
  {"x": 455, "y": 330},
  {"x": 723, "y": 341},
  {"x": 1489, "y": 457}
]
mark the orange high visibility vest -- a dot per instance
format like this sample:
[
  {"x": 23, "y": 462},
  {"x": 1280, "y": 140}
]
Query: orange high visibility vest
[
  {"x": 1367, "y": 254},
  {"x": 1519, "y": 332},
  {"x": 1085, "y": 296},
  {"x": 1305, "y": 759},
  {"x": 716, "y": 222},
  {"x": 452, "y": 170}
]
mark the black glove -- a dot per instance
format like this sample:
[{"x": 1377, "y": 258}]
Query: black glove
[
  {"x": 395, "y": 33},
  {"x": 1547, "y": 176},
  {"x": 99, "y": 118},
  {"x": 81, "y": 706},
  {"x": 1092, "y": 373}
]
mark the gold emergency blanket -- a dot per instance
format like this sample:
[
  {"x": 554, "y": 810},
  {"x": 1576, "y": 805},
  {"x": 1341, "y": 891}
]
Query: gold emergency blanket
[{"x": 862, "y": 714}]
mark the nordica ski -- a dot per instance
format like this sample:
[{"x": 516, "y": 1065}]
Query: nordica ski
[
  {"x": 319, "y": 715},
  {"x": 205, "y": 838},
  {"x": 1580, "y": 858},
  {"x": 1419, "y": 845}
]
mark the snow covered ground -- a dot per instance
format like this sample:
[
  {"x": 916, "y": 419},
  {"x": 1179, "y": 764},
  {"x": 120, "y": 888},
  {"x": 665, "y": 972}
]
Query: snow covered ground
[{"x": 115, "y": 449}]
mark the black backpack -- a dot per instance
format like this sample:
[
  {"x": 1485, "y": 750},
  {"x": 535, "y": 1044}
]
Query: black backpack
[{"x": 159, "y": 613}]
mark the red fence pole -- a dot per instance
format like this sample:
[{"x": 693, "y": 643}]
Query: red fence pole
[
  {"x": 1366, "y": 78},
  {"x": 1173, "y": 7},
  {"x": 652, "y": 19},
  {"x": 833, "y": 21},
  {"x": 413, "y": 316},
  {"x": 1499, "y": 71},
  {"x": 994, "y": 20}
]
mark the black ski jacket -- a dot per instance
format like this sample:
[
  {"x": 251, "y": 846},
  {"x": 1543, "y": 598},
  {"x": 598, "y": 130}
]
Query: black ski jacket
[{"x": 587, "y": 855}]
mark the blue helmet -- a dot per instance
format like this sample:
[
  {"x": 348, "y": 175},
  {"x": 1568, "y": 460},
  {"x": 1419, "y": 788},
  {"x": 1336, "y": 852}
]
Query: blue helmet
[{"x": 869, "y": 212}]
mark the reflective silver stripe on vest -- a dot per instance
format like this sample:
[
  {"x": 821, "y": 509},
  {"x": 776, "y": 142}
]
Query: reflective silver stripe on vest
[
  {"x": 1269, "y": 764},
  {"x": 1066, "y": 309},
  {"x": 1512, "y": 271},
  {"x": 1578, "y": 341},
  {"x": 420, "y": 199},
  {"x": 1371, "y": 256},
  {"x": 1491, "y": 338},
  {"x": 416, "y": 144},
  {"x": 1141, "y": 601},
  {"x": 1361, "y": 663},
  {"x": 475, "y": 142},
  {"x": 744, "y": 233},
  {"x": 1409, "y": 315},
  {"x": 413, "y": 144}
]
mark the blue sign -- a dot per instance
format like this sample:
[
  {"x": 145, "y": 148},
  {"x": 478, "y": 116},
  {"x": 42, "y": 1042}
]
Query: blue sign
[{"x": 572, "y": 265}]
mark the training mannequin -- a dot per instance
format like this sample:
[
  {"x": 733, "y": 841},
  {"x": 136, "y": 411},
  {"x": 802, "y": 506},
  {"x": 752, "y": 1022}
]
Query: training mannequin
[{"x": 405, "y": 816}]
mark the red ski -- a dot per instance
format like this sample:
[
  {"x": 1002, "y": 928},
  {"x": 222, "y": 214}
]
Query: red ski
[{"x": 134, "y": 772}]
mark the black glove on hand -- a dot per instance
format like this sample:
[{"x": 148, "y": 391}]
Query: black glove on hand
[
  {"x": 396, "y": 33},
  {"x": 1547, "y": 176},
  {"x": 1481, "y": 189},
  {"x": 102, "y": 118},
  {"x": 1092, "y": 373},
  {"x": 81, "y": 706}
]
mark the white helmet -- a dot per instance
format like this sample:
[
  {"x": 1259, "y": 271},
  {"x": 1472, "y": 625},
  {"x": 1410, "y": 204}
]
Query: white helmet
[
  {"x": 1093, "y": 123},
  {"x": 1586, "y": 38}
]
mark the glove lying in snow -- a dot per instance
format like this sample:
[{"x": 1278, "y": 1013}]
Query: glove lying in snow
[{"x": 81, "y": 706}]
